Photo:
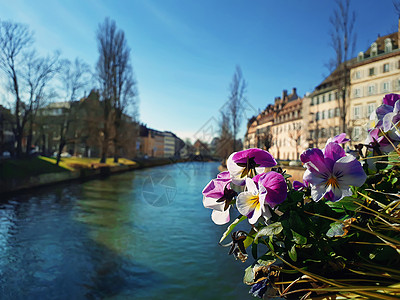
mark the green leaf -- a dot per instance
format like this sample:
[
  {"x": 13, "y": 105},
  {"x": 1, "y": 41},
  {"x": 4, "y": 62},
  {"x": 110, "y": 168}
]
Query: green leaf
[
  {"x": 292, "y": 253},
  {"x": 248, "y": 241},
  {"x": 347, "y": 203},
  {"x": 248, "y": 275},
  {"x": 336, "y": 230},
  {"x": 270, "y": 230},
  {"x": 254, "y": 250},
  {"x": 232, "y": 226},
  {"x": 298, "y": 238}
]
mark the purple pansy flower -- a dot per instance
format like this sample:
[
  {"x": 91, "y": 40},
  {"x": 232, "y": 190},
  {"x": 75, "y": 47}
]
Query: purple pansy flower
[
  {"x": 217, "y": 195},
  {"x": 267, "y": 189},
  {"x": 248, "y": 163},
  {"x": 330, "y": 173},
  {"x": 387, "y": 142},
  {"x": 391, "y": 118},
  {"x": 390, "y": 99},
  {"x": 340, "y": 139},
  {"x": 299, "y": 186},
  {"x": 389, "y": 112}
]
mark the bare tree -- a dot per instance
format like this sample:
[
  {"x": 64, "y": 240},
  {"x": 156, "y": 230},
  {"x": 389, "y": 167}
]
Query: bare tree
[
  {"x": 27, "y": 76},
  {"x": 295, "y": 135},
  {"x": 117, "y": 83},
  {"x": 267, "y": 138},
  {"x": 225, "y": 142},
  {"x": 343, "y": 41},
  {"x": 39, "y": 71},
  {"x": 236, "y": 99},
  {"x": 74, "y": 78}
]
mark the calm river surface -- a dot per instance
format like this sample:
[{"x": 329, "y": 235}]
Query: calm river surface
[{"x": 138, "y": 235}]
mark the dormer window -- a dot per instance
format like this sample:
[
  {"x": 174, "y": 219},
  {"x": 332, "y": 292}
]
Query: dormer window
[
  {"x": 374, "y": 49},
  {"x": 360, "y": 56},
  {"x": 388, "y": 45}
]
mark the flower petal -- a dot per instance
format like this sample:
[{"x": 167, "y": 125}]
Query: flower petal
[
  {"x": 316, "y": 160},
  {"x": 276, "y": 187},
  {"x": 224, "y": 176},
  {"x": 213, "y": 204},
  {"x": 251, "y": 186},
  {"x": 332, "y": 152},
  {"x": 314, "y": 178},
  {"x": 235, "y": 170},
  {"x": 215, "y": 188},
  {"x": 318, "y": 191},
  {"x": 261, "y": 157},
  {"x": 256, "y": 215},
  {"x": 246, "y": 203},
  {"x": 220, "y": 217},
  {"x": 390, "y": 99},
  {"x": 297, "y": 185},
  {"x": 382, "y": 110},
  {"x": 348, "y": 171},
  {"x": 387, "y": 121}
]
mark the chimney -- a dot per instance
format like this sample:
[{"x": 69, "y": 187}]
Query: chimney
[{"x": 284, "y": 95}]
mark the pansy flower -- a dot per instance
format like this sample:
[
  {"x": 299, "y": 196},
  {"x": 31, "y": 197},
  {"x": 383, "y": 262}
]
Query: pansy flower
[
  {"x": 248, "y": 163},
  {"x": 340, "y": 139},
  {"x": 388, "y": 112},
  {"x": 332, "y": 172},
  {"x": 218, "y": 195},
  {"x": 300, "y": 186},
  {"x": 267, "y": 189}
]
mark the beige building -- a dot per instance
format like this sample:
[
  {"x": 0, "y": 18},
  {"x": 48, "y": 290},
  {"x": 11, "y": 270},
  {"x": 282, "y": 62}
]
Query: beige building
[
  {"x": 288, "y": 128},
  {"x": 279, "y": 128},
  {"x": 324, "y": 112},
  {"x": 376, "y": 73}
]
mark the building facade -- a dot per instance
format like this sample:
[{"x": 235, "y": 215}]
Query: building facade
[{"x": 376, "y": 73}]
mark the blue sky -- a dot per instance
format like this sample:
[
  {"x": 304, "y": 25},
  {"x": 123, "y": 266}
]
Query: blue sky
[{"x": 184, "y": 52}]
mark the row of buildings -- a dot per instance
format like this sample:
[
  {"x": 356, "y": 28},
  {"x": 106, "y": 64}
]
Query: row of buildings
[
  {"x": 80, "y": 125},
  {"x": 293, "y": 123}
]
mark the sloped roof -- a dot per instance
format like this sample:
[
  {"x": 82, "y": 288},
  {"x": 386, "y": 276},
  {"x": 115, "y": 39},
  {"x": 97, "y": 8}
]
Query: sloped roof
[{"x": 380, "y": 41}]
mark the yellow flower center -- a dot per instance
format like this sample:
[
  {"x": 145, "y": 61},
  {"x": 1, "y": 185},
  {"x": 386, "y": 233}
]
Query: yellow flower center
[{"x": 333, "y": 182}]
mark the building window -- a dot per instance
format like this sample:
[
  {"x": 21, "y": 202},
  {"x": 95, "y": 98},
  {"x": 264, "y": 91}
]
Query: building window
[
  {"x": 329, "y": 97},
  {"x": 357, "y": 133},
  {"x": 312, "y": 101},
  {"x": 330, "y": 113},
  {"x": 323, "y": 99},
  {"x": 337, "y": 112},
  {"x": 357, "y": 92},
  {"x": 357, "y": 75},
  {"x": 356, "y": 112},
  {"x": 386, "y": 86},
  {"x": 371, "y": 90},
  {"x": 385, "y": 68},
  {"x": 323, "y": 115},
  {"x": 317, "y": 100},
  {"x": 360, "y": 56},
  {"x": 371, "y": 71},
  {"x": 371, "y": 108},
  {"x": 317, "y": 116}
]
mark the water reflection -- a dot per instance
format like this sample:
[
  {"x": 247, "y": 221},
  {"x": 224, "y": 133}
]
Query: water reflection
[{"x": 104, "y": 239}]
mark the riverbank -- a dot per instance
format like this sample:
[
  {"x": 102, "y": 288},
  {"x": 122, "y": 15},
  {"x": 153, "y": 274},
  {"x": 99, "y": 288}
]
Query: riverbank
[
  {"x": 25, "y": 174},
  {"x": 297, "y": 172}
]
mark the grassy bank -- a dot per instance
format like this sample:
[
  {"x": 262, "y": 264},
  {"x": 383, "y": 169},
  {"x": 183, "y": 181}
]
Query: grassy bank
[{"x": 17, "y": 169}]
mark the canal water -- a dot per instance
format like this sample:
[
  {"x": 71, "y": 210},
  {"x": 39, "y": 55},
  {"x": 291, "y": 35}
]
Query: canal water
[{"x": 138, "y": 235}]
